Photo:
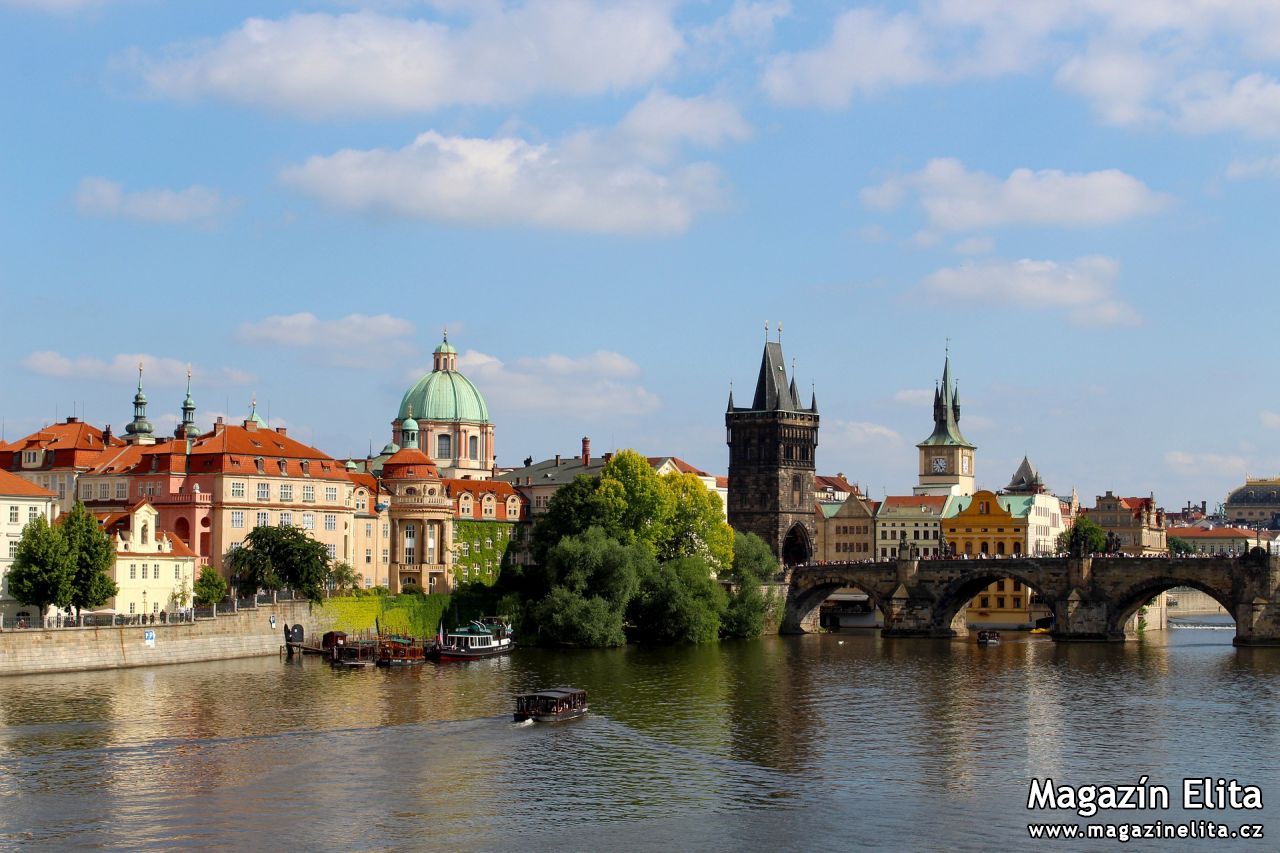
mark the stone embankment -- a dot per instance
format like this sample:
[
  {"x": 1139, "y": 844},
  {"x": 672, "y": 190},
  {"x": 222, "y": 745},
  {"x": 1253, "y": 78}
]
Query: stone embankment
[{"x": 246, "y": 633}]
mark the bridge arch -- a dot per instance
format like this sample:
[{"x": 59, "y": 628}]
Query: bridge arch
[
  {"x": 804, "y": 600},
  {"x": 956, "y": 596},
  {"x": 1127, "y": 602},
  {"x": 797, "y": 547}
]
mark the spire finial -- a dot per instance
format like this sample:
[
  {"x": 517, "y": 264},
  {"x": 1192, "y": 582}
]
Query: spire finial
[
  {"x": 446, "y": 334},
  {"x": 410, "y": 411},
  {"x": 948, "y": 348},
  {"x": 766, "y": 331},
  {"x": 139, "y": 375},
  {"x": 779, "y": 331}
]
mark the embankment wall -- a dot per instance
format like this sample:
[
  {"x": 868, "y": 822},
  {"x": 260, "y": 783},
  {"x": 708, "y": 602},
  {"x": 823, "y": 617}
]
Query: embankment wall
[{"x": 246, "y": 633}]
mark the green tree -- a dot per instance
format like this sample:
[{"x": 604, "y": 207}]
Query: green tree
[
  {"x": 343, "y": 578},
  {"x": 565, "y": 617},
  {"x": 1179, "y": 546},
  {"x": 637, "y": 505},
  {"x": 753, "y": 563},
  {"x": 697, "y": 527},
  {"x": 678, "y": 602},
  {"x": 572, "y": 509},
  {"x": 1085, "y": 536},
  {"x": 210, "y": 587},
  {"x": 275, "y": 557},
  {"x": 42, "y": 567},
  {"x": 92, "y": 555}
]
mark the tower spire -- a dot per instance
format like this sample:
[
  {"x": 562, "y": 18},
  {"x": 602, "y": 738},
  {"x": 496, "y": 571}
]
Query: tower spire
[
  {"x": 139, "y": 430},
  {"x": 188, "y": 429}
]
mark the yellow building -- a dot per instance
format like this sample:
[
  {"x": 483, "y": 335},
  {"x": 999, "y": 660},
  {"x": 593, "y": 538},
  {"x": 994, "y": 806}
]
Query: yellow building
[
  {"x": 846, "y": 530},
  {"x": 991, "y": 526},
  {"x": 154, "y": 569}
]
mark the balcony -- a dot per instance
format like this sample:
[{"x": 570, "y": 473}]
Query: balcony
[
  {"x": 184, "y": 498},
  {"x": 422, "y": 501}
]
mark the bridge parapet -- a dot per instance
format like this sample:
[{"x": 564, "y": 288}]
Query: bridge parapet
[{"x": 1091, "y": 598}]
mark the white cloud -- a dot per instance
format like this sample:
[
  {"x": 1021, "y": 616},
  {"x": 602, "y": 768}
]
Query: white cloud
[
  {"x": 975, "y": 246},
  {"x": 841, "y": 437},
  {"x": 357, "y": 340},
  {"x": 746, "y": 21},
  {"x": 583, "y": 183},
  {"x": 868, "y": 51},
  {"x": 591, "y": 386},
  {"x": 1084, "y": 288},
  {"x": 102, "y": 197},
  {"x": 55, "y": 6},
  {"x": 1270, "y": 420},
  {"x": 1205, "y": 463},
  {"x": 661, "y": 121},
  {"x": 365, "y": 62},
  {"x": 124, "y": 368},
  {"x": 1214, "y": 104},
  {"x": 956, "y": 199},
  {"x": 913, "y": 396},
  {"x": 1266, "y": 167},
  {"x": 1119, "y": 82}
]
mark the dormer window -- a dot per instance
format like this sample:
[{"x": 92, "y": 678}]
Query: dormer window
[
  {"x": 261, "y": 465},
  {"x": 306, "y": 467},
  {"x": 283, "y": 467}
]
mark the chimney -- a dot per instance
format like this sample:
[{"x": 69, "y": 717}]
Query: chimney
[
  {"x": 282, "y": 430},
  {"x": 607, "y": 457},
  {"x": 557, "y": 460},
  {"x": 219, "y": 426},
  {"x": 586, "y": 450},
  {"x": 72, "y": 420},
  {"x": 106, "y": 435}
]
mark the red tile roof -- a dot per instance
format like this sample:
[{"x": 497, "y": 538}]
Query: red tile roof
[
  {"x": 411, "y": 463},
  {"x": 935, "y": 502},
  {"x": 11, "y": 485},
  {"x": 1212, "y": 533}
]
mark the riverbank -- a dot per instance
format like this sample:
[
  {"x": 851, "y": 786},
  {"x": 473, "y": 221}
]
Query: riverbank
[{"x": 245, "y": 633}]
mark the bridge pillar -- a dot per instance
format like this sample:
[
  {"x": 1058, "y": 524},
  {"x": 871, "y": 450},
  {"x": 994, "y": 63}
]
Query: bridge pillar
[
  {"x": 1257, "y": 623},
  {"x": 910, "y": 614},
  {"x": 1077, "y": 619}
]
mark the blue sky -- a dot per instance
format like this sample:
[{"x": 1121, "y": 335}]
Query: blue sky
[{"x": 604, "y": 202}]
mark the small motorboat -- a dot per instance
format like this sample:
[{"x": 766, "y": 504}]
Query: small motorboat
[
  {"x": 551, "y": 706},
  {"x": 988, "y": 638}
]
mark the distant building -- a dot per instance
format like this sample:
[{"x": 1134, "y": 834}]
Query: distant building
[
  {"x": 453, "y": 422},
  {"x": 1136, "y": 523},
  {"x": 21, "y": 502},
  {"x": 1224, "y": 540},
  {"x": 834, "y": 489},
  {"x": 985, "y": 524},
  {"x": 946, "y": 456},
  {"x": 771, "y": 461},
  {"x": 913, "y": 519},
  {"x": 54, "y": 457},
  {"x": 1256, "y": 503},
  {"x": 846, "y": 530},
  {"x": 154, "y": 570}
]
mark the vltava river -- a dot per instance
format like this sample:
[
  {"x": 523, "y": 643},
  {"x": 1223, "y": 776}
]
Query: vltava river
[{"x": 808, "y": 743}]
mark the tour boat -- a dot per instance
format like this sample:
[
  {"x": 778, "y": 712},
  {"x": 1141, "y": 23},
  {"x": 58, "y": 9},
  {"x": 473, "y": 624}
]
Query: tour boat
[
  {"x": 988, "y": 638},
  {"x": 551, "y": 706},
  {"x": 401, "y": 651},
  {"x": 473, "y": 641}
]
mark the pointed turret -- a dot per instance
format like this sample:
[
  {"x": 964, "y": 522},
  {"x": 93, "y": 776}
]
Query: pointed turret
[
  {"x": 795, "y": 392},
  {"x": 813, "y": 399},
  {"x": 187, "y": 429},
  {"x": 139, "y": 430},
  {"x": 946, "y": 413},
  {"x": 1026, "y": 480},
  {"x": 729, "y": 408},
  {"x": 772, "y": 393}
]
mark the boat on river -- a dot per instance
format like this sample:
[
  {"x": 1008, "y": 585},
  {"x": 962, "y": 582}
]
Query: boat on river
[
  {"x": 473, "y": 641},
  {"x": 988, "y": 638},
  {"x": 551, "y": 706},
  {"x": 395, "y": 650}
]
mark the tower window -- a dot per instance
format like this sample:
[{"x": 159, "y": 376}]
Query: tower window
[{"x": 444, "y": 446}]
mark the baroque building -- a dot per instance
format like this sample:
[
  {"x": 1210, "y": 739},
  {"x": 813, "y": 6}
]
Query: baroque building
[
  {"x": 771, "y": 461},
  {"x": 946, "y": 456},
  {"x": 452, "y": 420}
]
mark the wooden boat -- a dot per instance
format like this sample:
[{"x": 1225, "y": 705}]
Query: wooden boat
[
  {"x": 474, "y": 641},
  {"x": 551, "y": 706},
  {"x": 354, "y": 653},
  {"x": 988, "y": 638},
  {"x": 401, "y": 651}
]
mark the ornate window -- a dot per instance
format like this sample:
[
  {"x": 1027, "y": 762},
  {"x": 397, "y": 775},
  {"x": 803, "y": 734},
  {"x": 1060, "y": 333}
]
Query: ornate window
[{"x": 444, "y": 446}]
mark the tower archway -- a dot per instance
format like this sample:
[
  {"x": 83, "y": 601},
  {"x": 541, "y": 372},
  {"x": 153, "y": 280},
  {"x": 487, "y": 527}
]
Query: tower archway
[{"x": 797, "y": 547}]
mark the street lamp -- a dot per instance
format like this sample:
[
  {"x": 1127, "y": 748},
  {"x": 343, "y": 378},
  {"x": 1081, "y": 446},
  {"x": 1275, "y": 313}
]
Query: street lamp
[{"x": 144, "y": 605}]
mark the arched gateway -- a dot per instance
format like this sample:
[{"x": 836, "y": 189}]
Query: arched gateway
[{"x": 1091, "y": 598}]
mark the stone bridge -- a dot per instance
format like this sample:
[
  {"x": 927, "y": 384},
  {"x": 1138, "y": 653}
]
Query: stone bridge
[{"x": 1091, "y": 598}]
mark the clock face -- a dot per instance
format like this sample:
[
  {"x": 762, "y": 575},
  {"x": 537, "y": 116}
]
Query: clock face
[{"x": 939, "y": 465}]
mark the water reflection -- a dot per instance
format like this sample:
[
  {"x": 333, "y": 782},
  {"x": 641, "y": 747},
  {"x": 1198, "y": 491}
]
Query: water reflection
[{"x": 756, "y": 744}]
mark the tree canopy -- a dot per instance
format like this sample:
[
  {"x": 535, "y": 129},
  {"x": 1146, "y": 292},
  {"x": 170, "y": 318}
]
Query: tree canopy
[
  {"x": 276, "y": 557},
  {"x": 92, "y": 555},
  {"x": 1085, "y": 536},
  {"x": 42, "y": 567},
  {"x": 210, "y": 587},
  {"x": 634, "y": 554}
]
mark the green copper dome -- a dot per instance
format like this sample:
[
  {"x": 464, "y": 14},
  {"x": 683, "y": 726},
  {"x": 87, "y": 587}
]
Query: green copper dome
[
  {"x": 444, "y": 395},
  {"x": 445, "y": 346}
]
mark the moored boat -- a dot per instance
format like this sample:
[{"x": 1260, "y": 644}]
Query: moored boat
[
  {"x": 401, "y": 651},
  {"x": 551, "y": 706},
  {"x": 473, "y": 641},
  {"x": 988, "y": 638}
]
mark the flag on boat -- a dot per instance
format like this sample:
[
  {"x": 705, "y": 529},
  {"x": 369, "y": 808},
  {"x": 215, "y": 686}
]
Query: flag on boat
[{"x": 440, "y": 634}]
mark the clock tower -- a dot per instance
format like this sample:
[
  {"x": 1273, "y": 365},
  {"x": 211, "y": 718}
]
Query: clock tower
[{"x": 946, "y": 457}]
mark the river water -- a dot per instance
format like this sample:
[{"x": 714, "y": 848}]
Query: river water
[{"x": 828, "y": 742}]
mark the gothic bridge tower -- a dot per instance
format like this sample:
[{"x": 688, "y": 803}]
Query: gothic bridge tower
[{"x": 771, "y": 450}]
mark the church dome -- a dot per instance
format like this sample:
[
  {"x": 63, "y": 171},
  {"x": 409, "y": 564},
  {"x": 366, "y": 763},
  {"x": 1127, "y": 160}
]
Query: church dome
[
  {"x": 1262, "y": 492},
  {"x": 444, "y": 394}
]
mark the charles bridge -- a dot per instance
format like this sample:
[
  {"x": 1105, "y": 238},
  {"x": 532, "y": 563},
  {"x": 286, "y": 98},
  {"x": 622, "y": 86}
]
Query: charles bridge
[{"x": 1091, "y": 598}]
